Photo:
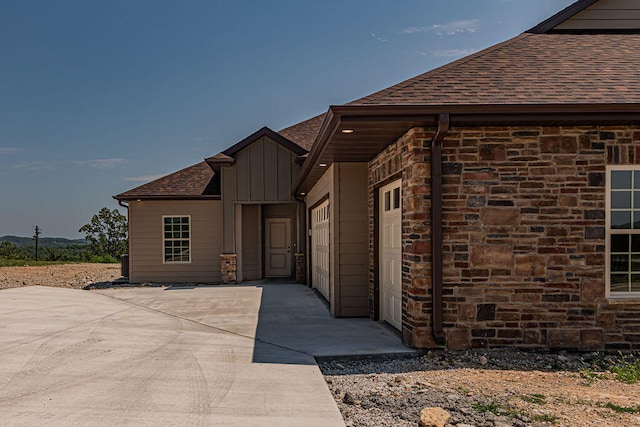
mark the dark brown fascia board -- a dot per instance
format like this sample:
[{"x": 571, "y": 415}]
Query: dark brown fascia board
[
  {"x": 562, "y": 16},
  {"x": 134, "y": 198},
  {"x": 400, "y": 112},
  {"x": 478, "y": 114},
  {"x": 327, "y": 129},
  {"x": 265, "y": 131}
]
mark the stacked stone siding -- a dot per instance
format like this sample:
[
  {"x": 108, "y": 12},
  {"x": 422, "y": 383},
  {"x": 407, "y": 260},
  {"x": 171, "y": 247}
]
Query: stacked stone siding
[
  {"x": 300, "y": 272},
  {"x": 229, "y": 268},
  {"x": 524, "y": 236},
  {"x": 409, "y": 159}
]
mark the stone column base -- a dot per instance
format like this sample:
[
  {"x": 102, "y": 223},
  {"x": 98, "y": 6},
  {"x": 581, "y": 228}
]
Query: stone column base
[
  {"x": 228, "y": 268},
  {"x": 300, "y": 276}
]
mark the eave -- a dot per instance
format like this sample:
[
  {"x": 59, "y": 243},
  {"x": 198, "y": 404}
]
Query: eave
[
  {"x": 166, "y": 197},
  {"x": 377, "y": 126}
]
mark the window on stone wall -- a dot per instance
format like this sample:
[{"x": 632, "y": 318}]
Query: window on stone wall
[
  {"x": 176, "y": 239},
  {"x": 623, "y": 231}
]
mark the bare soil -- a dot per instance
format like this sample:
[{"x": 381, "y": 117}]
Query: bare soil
[
  {"x": 486, "y": 388},
  {"x": 75, "y": 276}
]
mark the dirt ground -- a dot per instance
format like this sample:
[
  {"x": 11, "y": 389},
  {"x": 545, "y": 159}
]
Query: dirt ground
[
  {"x": 75, "y": 276},
  {"x": 486, "y": 388}
]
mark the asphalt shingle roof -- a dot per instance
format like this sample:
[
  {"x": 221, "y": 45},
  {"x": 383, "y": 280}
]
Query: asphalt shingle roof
[
  {"x": 195, "y": 181},
  {"x": 530, "y": 69},
  {"x": 304, "y": 133}
]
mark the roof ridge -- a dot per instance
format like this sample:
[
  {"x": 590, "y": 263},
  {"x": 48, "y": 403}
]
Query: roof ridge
[{"x": 443, "y": 68}]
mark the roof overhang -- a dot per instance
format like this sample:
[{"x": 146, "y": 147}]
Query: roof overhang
[
  {"x": 165, "y": 197},
  {"x": 371, "y": 128}
]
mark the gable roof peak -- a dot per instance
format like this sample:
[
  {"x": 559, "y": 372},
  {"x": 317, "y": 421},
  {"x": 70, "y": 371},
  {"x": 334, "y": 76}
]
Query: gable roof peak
[
  {"x": 264, "y": 131},
  {"x": 594, "y": 16}
]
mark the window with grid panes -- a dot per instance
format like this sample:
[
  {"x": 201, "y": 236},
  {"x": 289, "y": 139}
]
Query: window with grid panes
[
  {"x": 623, "y": 230},
  {"x": 177, "y": 239}
]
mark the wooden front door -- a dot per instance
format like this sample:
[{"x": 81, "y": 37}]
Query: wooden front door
[{"x": 277, "y": 254}]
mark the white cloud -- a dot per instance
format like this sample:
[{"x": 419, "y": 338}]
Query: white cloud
[
  {"x": 452, "y": 53},
  {"x": 7, "y": 150},
  {"x": 101, "y": 163},
  {"x": 143, "y": 178},
  {"x": 94, "y": 163},
  {"x": 34, "y": 166},
  {"x": 381, "y": 39},
  {"x": 450, "y": 28}
]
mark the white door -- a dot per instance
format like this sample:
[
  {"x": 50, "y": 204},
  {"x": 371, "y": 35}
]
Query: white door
[
  {"x": 390, "y": 244},
  {"x": 277, "y": 247},
  {"x": 320, "y": 251}
]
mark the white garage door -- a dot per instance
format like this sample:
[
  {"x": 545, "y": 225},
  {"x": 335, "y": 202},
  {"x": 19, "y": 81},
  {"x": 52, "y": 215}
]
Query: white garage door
[
  {"x": 320, "y": 251},
  {"x": 391, "y": 253}
]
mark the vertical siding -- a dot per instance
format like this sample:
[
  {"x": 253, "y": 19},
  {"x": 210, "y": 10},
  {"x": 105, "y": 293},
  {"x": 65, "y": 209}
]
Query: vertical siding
[
  {"x": 228, "y": 214},
  {"x": 256, "y": 173},
  {"x": 265, "y": 172},
  {"x": 606, "y": 14},
  {"x": 271, "y": 162},
  {"x": 146, "y": 247},
  {"x": 251, "y": 242},
  {"x": 353, "y": 249}
]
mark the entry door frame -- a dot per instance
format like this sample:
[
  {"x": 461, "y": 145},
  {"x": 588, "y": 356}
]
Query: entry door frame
[{"x": 288, "y": 241}]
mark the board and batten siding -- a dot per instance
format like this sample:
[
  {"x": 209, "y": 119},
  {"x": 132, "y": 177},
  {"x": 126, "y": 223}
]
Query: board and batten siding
[
  {"x": 353, "y": 240},
  {"x": 251, "y": 242},
  {"x": 606, "y": 15},
  {"x": 264, "y": 172},
  {"x": 346, "y": 186},
  {"x": 146, "y": 250}
]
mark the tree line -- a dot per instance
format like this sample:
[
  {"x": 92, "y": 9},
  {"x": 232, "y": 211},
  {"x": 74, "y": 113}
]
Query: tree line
[{"x": 107, "y": 234}]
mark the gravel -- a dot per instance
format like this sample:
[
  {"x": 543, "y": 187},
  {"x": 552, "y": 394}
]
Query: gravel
[{"x": 484, "y": 388}]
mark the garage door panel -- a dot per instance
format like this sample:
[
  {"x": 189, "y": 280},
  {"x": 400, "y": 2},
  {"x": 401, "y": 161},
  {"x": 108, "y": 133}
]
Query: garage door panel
[{"x": 320, "y": 252}]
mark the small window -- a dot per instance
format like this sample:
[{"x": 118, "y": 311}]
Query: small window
[
  {"x": 387, "y": 201},
  {"x": 396, "y": 198},
  {"x": 177, "y": 239},
  {"x": 623, "y": 231}
]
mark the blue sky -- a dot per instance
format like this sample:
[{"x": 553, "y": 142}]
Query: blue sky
[{"x": 97, "y": 97}]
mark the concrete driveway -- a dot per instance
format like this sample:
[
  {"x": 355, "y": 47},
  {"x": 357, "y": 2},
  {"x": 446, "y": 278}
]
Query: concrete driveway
[{"x": 173, "y": 356}]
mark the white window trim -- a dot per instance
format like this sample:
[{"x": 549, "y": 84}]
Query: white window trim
[
  {"x": 608, "y": 233},
  {"x": 164, "y": 261}
]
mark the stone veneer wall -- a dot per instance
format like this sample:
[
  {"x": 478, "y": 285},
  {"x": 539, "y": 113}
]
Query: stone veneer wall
[
  {"x": 409, "y": 159},
  {"x": 300, "y": 272},
  {"x": 524, "y": 236},
  {"x": 228, "y": 268}
]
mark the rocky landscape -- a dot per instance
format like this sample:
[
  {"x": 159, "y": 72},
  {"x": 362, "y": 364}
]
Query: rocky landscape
[{"x": 489, "y": 388}]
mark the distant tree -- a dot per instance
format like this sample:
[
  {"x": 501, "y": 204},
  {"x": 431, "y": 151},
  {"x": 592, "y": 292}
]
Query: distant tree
[
  {"x": 10, "y": 251},
  {"x": 107, "y": 233}
]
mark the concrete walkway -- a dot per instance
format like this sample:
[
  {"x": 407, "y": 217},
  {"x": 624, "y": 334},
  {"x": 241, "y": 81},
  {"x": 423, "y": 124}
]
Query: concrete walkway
[{"x": 226, "y": 356}]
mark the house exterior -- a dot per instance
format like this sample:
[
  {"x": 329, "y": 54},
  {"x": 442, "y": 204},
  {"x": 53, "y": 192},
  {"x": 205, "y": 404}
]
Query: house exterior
[{"x": 494, "y": 201}]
